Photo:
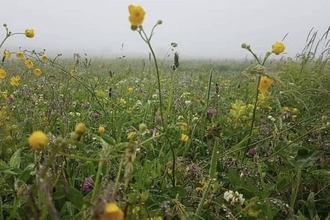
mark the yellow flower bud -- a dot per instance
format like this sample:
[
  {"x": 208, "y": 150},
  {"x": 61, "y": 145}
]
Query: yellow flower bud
[
  {"x": 29, "y": 33},
  {"x": 80, "y": 129}
]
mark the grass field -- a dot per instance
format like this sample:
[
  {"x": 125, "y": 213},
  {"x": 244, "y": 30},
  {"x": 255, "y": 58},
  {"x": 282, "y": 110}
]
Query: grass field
[{"x": 86, "y": 138}]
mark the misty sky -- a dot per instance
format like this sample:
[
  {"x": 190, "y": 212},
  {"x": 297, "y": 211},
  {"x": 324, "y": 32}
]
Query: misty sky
[{"x": 202, "y": 28}]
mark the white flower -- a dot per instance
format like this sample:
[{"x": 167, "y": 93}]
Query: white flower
[
  {"x": 180, "y": 117},
  {"x": 187, "y": 102},
  {"x": 234, "y": 198},
  {"x": 154, "y": 96},
  {"x": 271, "y": 118},
  {"x": 195, "y": 118}
]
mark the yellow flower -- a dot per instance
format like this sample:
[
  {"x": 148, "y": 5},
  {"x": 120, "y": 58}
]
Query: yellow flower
[
  {"x": 184, "y": 137},
  {"x": 112, "y": 212},
  {"x": 183, "y": 126},
  {"x": 101, "y": 129},
  {"x": 278, "y": 47},
  {"x": 132, "y": 136},
  {"x": 72, "y": 73},
  {"x": 6, "y": 54},
  {"x": 38, "y": 140},
  {"x": 29, "y": 33},
  {"x": 286, "y": 109},
  {"x": 294, "y": 110},
  {"x": 28, "y": 63},
  {"x": 122, "y": 101},
  {"x": 19, "y": 54},
  {"x": 130, "y": 89},
  {"x": 80, "y": 129},
  {"x": 14, "y": 81},
  {"x": 156, "y": 218},
  {"x": 136, "y": 15},
  {"x": 100, "y": 94},
  {"x": 37, "y": 72},
  {"x": 3, "y": 73},
  {"x": 44, "y": 58},
  {"x": 199, "y": 189},
  {"x": 264, "y": 84}
]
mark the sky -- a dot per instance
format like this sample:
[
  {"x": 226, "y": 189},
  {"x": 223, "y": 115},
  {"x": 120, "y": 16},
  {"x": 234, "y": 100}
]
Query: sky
[{"x": 201, "y": 28}]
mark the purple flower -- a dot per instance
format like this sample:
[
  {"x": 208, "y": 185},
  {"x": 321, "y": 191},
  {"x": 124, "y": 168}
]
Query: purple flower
[
  {"x": 85, "y": 105},
  {"x": 211, "y": 112},
  {"x": 10, "y": 99},
  {"x": 95, "y": 115},
  {"x": 87, "y": 185},
  {"x": 158, "y": 120},
  {"x": 251, "y": 152}
]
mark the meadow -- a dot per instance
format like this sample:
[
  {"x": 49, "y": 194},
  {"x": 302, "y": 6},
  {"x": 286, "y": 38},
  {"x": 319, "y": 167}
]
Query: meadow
[{"x": 165, "y": 137}]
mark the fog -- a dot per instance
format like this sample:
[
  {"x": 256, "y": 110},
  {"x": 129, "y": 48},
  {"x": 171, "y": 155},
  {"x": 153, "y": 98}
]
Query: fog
[{"x": 201, "y": 28}]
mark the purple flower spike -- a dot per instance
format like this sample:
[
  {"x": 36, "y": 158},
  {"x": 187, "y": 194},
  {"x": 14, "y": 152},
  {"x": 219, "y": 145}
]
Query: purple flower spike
[
  {"x": 212, "y": 112},
  {"x": 95, "y": 115},
  {"x": 87, "y": 185}
]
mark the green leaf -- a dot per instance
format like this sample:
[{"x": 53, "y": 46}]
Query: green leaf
[
  {"x": 181, "y": 191},
  {"x": 3, "y": 165},
  {"x": 310, "y": 204},
  {"x": 76, "y": 198},
  {"x": 15, "y": 160}
]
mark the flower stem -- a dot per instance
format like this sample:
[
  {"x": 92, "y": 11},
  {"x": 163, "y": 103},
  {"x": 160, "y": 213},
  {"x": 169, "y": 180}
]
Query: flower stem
[
  {"x": 253, "y": 119},
  {"x": 295, "y": 188},
  {"x": 211, "y": 176},
  {"x": 97, "y": 180}
]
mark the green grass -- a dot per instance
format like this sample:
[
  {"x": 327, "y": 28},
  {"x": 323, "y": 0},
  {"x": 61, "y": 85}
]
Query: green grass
[{"x": 280, "y": 165}]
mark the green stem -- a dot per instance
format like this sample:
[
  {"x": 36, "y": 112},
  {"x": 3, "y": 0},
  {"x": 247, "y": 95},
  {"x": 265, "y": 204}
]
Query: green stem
[
  {"x": 254, "y": 55},
  {"x": 253, "y": 119},
  {"x": 212, "y": 177},
  {"x": 209, "y": 89},
  {"x": 97, "y": 180},
  {"x": 295, "y": 188},
  {"x": 158, "y": 81},
  {"x": 14, "y": 210},
  {"x": 7, "y": 36},
  {"x": 264, "y": 192}
]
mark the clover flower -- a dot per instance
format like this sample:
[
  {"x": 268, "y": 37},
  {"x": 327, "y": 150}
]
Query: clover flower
[
  {"x": 234, "y": 198},
  {"x": 212, "y": 112},
  {"x": 87, "y": 185}
]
